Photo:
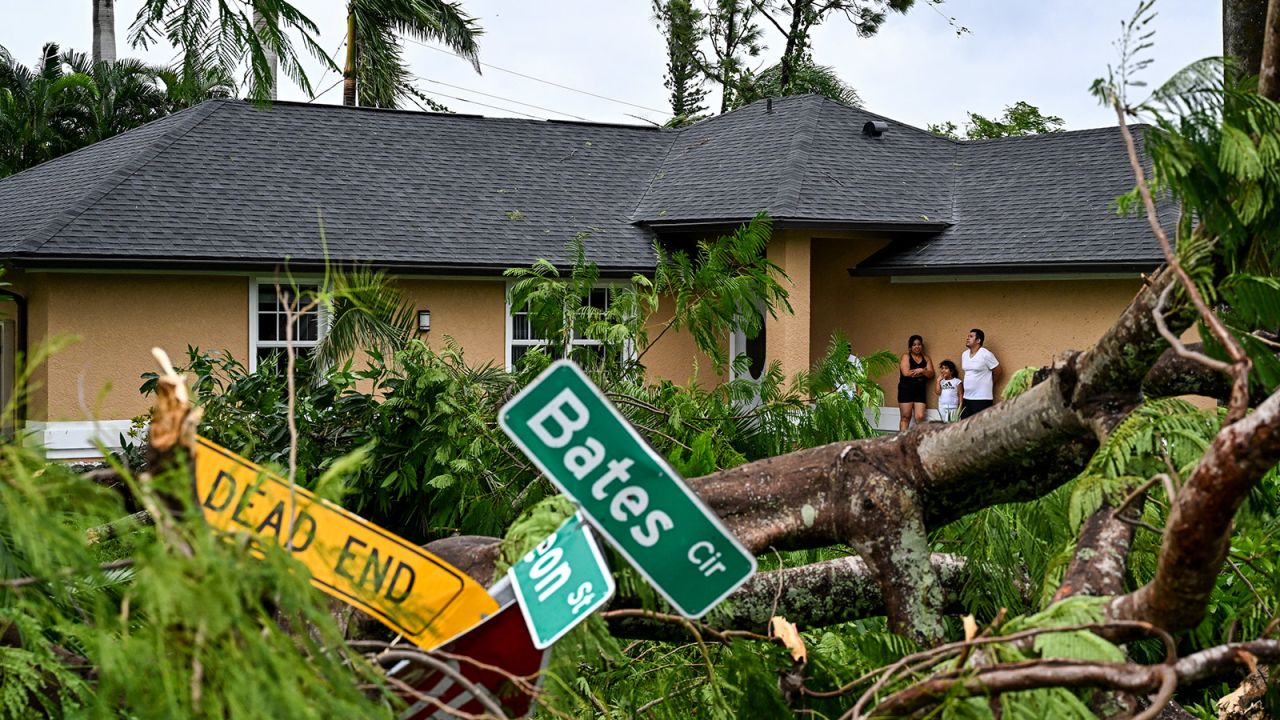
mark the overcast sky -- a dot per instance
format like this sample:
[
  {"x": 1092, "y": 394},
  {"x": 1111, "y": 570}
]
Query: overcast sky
[{"x": 915, "y": 70}]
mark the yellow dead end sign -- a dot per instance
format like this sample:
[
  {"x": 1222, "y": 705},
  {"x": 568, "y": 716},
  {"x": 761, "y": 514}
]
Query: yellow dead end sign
[{"x": 414, "y": 592}]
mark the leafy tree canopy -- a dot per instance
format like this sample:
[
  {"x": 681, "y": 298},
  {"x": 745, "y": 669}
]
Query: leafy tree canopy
[
  {"x": 1020, "y": 118},
  {"x": 806, "y": 78}
]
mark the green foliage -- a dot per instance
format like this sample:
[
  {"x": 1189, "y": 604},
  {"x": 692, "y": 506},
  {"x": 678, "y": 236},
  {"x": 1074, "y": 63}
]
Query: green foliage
[
  {"x": 726, "y": 283},
  {"x": 191, "y": 628},
  {"x": 733, "y": 34},
  {"x": 226, "y": 33},
  {"x": 1020, "y": 118},
  {"x": 383, "y": 76},
  {"x": 806, "y": 78},
  {"x": 365, "y": 311},
  {"x": 410, "y": 442},
  {"x": 1019, "y": 382},
  {"x": 682, "y": 25},
  {"x": 1215, "y": 147},
  {"x": 65, "y": 101}
]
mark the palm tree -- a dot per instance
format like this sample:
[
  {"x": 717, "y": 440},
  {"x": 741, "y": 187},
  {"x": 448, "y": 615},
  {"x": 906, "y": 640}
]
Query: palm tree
[
  {"x": 366, "y": 312},
  {"x": 119, "y": 96},
  {"x": 104, "y": 30},
  {"x": 806, "y": 78},
  {"x": 40, "y": 110},
  {"x": 375, "y": 74},
  {"x": 67, "y": 101},
  {"x": 193, "y": 79},
  {"x": 259, "y": 31}
]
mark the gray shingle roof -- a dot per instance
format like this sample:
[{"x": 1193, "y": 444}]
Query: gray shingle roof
[
  {"x": 237, "y": 185},
  {"x": 1042, "y": 201},
  {"x": 805, "y": 159}
]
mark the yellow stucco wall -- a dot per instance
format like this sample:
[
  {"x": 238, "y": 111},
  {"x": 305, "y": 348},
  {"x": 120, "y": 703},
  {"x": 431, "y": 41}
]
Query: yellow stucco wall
[
  {"x": 673, "y": 355},
  {"x": 1026, "y": 322},
  {"x": 472, "y": 312},
  {"x": 117, "y": 319},
  {"x": 788, "y": 337}
]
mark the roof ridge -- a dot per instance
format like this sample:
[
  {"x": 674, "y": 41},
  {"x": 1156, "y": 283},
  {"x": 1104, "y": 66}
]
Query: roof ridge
[
  {"x": 898, "y": 123},
  {"x": 1056, "y": 134},
  {"x": 791, "y": 186},
  {"x": 954, "y": 166},
  {"x": 198, "y": 114},
  {"x": 301, "y": 104},
  {"x": 659, "y": 169}
]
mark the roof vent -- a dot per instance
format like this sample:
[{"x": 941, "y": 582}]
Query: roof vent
[
  {"x": 875, "y": 128},
  {"x": 768, "y": 105}
]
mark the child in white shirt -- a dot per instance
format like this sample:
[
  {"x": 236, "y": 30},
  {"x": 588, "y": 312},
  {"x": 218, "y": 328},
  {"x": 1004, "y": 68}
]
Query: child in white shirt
[{"x": 950, "y": 390}]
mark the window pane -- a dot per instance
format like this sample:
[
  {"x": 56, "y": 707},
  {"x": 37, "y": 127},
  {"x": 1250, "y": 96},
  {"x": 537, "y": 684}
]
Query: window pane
[
  {"x": 267, "y": 326},
  {"x": 308, "y": 329},
  {"x": 277, "y": 359},
  {"x": 520, "y": 329},
  {"x": 589, "y": 355},
  {"x": 599, "y": 298}
]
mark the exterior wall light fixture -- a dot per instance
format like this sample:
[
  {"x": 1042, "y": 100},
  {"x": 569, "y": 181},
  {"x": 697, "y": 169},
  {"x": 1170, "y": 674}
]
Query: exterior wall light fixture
[{"x": 424, "y": 321}]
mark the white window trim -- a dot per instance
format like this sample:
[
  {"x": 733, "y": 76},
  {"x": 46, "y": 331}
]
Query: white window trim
[
  {"x": 254, "y": 343},
  {"x": 508, "y": 342},
  {"x": 738, "y": 345}
]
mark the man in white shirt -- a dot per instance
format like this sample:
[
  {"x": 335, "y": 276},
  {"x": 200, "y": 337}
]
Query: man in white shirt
[{"x": 981, "y": 370}]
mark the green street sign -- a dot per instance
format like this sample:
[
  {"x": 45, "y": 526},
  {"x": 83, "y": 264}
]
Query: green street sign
[
  {"x": 561, "y": 581},
  {"x": 588, "y": 450}
]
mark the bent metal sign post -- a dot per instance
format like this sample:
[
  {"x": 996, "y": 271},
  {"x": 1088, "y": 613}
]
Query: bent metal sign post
[
  {"x": 629, "y": 492},
  {"x": 412, "y": 591}
]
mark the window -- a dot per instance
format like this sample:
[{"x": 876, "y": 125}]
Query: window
[
  {"x": 521, "y": 338},
  {"x": 753, "y": 348},
  {"x": 267, "y": 323}
]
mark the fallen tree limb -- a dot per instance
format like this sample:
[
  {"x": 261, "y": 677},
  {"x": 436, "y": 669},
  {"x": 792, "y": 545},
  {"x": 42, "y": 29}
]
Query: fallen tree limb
[
  {"x": 816, "y": 595},
  {"x": 883, "y": 495},
  {"x": 1174, "y": 375},
  {"x": 1127, "y": 677},
  {"x": 1198, "y": 532},
  {"x": 824, "y": 593}
]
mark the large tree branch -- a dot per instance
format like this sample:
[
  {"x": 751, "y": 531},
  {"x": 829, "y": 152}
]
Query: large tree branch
[
  {"x": 1101, "y": 558},
  {"x": 815, "y": 595},
  {"x": 882, "y": 495},
  {"x": 1174, "y": 375},
  {"x": 1198, "y": 532}
]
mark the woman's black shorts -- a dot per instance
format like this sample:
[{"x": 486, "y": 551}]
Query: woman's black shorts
[{"x": 910, "y": 392}]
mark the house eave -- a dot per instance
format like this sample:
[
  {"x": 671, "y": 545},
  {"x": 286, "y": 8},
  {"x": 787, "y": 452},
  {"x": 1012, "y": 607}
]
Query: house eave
[
  {"x": 1100, "y": 268},
  {"x": 301, "y": 265},
  {"x": 787, "y": 223}
]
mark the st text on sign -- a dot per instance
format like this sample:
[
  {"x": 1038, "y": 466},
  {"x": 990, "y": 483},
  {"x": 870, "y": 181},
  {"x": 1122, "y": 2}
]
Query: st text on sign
[
  {"x": 412, "y": 591},
  {"x": 561, "y": 582},
  {"x": 588, "y": 450}
]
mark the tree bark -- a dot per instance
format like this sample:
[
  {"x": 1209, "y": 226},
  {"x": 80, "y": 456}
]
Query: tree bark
[
  {"x": 882, "y": 495},
  {"x": 1198, "y": 532},
  {"x": 349, "y": 70},
  {"x": 260, "y": 24},
  {"x": 1269, "y": 68},
  {"x": 104, "y": 31},
  {"x": 1101, "y": 559},
  {"x": 1242, "y": 23}
]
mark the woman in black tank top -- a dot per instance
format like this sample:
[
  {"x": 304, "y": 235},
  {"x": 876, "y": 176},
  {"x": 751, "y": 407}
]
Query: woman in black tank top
[{"x": 914, "y": 370}]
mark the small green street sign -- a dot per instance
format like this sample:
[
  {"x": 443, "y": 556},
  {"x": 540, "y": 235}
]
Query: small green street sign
[
  {"x": 588, "y": 450},
  {"x": 561, "y": 581}
]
